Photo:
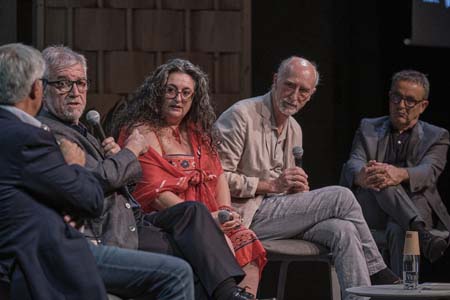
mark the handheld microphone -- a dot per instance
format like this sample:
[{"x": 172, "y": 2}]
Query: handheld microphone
[
  {"x": 224, "y": 216},
  {"x": 297, "y": 151},
  {"x": 93, "y": 118}
]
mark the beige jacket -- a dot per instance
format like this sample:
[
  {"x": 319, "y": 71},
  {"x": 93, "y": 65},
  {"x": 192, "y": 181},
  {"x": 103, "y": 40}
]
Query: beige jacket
[{"x": 246, "y": 150}]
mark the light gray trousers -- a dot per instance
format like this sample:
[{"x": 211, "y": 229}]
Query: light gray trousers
[{"x": 329, "y": 216}]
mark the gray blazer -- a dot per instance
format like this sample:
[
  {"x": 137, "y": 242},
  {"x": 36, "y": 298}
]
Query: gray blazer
[
  {"x": 425, "y": 161},
  {"x": 245, "y": 149},
  {"x": 117, "y": 225}
]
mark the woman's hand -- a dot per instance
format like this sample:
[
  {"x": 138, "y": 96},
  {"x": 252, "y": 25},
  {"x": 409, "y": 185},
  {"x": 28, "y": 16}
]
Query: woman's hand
[{"x": 234, "y": 222}]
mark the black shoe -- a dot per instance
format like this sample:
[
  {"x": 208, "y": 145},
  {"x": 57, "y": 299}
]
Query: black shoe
[
  {"x": 431, "y": 246},
  {"x": 385, "y": 276},
  {"x": 241, "y": 294}
]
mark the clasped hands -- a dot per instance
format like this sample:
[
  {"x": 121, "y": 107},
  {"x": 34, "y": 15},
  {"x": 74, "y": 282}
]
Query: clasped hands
[
  {"x": 292, "y": 180},
  {"x": 377, "y": 176}
]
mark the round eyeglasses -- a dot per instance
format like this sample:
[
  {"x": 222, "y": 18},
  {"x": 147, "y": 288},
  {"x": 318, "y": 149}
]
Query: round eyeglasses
[
  {"x": 410, "y": 102},
  {"x": 171, "y": 92}
]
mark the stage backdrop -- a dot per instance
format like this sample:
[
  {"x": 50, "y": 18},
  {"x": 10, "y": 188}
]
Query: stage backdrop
[{"x": 125, "y": 40}]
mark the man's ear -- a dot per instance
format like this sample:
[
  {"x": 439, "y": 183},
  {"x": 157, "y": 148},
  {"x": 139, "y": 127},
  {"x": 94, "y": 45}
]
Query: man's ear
[
  {"x": 274, "y": 80},
  {"x": 37, "y": 90},
  {"x": 424, "y": 105}
]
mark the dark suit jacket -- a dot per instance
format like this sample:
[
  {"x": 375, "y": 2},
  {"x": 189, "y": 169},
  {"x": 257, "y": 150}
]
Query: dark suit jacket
[
  {"x": 425, "y": 160},
  {"x": 46, "y": 258},
  {"x": 117, "y": 225}
]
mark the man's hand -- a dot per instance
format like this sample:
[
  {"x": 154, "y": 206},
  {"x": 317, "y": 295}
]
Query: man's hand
[
  {"x": 362, "y": 178},
  {"x": 72, "y": 222},
  {"x": 377, "y": 176},
  {"x": 72, "y": 153},
  {"x": 110, "y": 146},
  {"x": 292, "y": 180},
  {"x": 137, "y": 143},
  {"x": 389, "y": 175}
]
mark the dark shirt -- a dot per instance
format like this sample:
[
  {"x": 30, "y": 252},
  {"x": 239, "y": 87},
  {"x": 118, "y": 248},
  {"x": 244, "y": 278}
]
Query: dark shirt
[
  {"x": 397, "y": 147},
  {"x": 79, "y": 127}
]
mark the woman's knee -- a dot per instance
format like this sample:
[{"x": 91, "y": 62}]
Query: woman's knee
[{"x": 195, "y": 207}]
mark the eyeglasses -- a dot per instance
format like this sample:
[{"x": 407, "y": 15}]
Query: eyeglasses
[
  {"x": 303, "y": 92},
  {"x": 172, "y": 92},
  {"x": 396, "y": 98},
  {"x": 65, "y": 86}
]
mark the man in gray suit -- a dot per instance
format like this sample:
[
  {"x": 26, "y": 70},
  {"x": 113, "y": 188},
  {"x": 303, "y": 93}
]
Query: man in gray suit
[
  {"x": 272, "y": 194},
  {"x": 394, "y": 166}
]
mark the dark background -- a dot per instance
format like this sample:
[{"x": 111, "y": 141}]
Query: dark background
[{"x": 357, "y": 46}]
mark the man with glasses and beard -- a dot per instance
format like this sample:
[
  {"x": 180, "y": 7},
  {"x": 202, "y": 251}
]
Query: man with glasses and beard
[
  {"x": 394, "y": 166},
  {"x": 186, "y": 230},
  {"x": 257, "y": 137}
]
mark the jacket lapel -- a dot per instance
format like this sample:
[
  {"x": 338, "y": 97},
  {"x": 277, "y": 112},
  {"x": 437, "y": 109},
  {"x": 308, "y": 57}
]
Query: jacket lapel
[
  {"x": 90, "y": 143},
  {"x": 415, "y": 144},
  {"x": 383, "y": 138}
]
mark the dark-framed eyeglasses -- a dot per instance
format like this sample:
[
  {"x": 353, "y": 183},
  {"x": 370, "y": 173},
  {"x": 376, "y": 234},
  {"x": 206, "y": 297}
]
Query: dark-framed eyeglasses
[
  {"x": 396, "y": 98},
  {"x": 65, "y": 86},
  {"x": 171, "y": 92}
]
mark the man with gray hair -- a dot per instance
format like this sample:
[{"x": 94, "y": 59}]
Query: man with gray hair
[
  {"x": 186, "y": 230},
  {"x": 394, "y": 166},
  {"x": 257, "y": 137},
  {"x": 42, "y": 256},
  {"x": 126, "y": 272}
]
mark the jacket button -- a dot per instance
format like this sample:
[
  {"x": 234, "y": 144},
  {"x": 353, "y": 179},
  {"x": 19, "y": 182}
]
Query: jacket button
[
  {"x": 132, "y": 228},
  {"x": 127, "y": 205}
]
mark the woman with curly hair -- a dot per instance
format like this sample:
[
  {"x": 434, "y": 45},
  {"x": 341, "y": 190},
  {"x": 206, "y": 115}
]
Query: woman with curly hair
[{"x": 173, "y": 110}]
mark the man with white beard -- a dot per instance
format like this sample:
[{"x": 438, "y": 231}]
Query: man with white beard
[{"x": 271, "y": 193}]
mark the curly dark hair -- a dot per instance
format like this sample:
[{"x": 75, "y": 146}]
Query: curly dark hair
[{"x": 143, "y": 107}]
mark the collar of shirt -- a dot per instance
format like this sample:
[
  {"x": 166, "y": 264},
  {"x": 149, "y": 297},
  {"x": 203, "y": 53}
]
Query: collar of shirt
[
  {"x": 80, "y": 128},
  {"x": 23, "y": 116}
]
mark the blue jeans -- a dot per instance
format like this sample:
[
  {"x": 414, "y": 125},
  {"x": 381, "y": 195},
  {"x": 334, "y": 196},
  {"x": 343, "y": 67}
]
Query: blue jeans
[{"x": 137, "y": 274}]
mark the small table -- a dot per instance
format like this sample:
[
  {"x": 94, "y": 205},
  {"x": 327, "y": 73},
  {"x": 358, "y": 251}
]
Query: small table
[{"x": 396, "y": 291}]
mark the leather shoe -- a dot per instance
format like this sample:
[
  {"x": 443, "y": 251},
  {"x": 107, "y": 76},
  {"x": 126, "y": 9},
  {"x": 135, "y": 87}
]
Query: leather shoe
[
  {"x": 241, "y": 294},
  {"x": 431, "y": 246}
]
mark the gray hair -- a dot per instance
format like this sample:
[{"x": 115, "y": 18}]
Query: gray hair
[
  {"x": 59, "y": 56},
  {"x": 412, "y": 76},
  {"x": 286, "y": 63},
  {"x": 20, "y": 67}
]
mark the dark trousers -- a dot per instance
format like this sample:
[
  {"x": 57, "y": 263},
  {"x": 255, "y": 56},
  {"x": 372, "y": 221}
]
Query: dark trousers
[
  {"x": 391, "y": 210},
  {"x": 188, "y": 231}
]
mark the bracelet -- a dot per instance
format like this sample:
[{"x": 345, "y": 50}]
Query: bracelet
[{"x": 226, "y": 207}]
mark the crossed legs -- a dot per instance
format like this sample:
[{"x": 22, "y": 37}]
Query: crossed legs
[{"x": 330, "y": 216}]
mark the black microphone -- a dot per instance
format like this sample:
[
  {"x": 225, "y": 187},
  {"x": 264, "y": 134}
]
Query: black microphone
[
  {"x": 224, "y": 216},
  {"x": 93, "y": 118},
  {"x": 297, "y": 151}
]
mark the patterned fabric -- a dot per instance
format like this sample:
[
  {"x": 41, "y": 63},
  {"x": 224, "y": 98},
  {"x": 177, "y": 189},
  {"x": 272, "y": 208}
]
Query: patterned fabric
[{"x": 193, "y": 178}]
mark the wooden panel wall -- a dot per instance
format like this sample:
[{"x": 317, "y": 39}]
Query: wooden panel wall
[{"x": 124, "y": 40}]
